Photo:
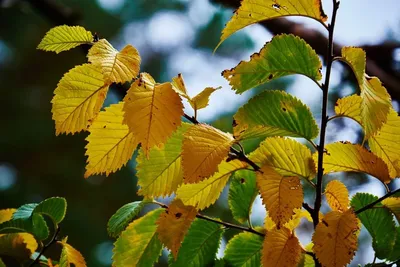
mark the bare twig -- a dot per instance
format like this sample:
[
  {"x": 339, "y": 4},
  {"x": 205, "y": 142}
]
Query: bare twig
[{"x": 45, "y": 247}]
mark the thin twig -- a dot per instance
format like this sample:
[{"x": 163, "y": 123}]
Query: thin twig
[
  {"x": 45, "y": 247},
  {"x": 372, "y": 204},
  {"x": 308, "y": 208},
  {"x": 191, "y": 119}
]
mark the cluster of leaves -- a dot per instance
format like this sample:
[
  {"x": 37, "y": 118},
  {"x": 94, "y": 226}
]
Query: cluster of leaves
[
  {"x": 194, "y": 161},
  {"x": 23, "y": 231}
]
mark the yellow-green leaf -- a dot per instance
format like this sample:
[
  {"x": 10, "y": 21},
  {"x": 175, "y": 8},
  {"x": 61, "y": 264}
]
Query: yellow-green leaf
[
  {"x": 63, "y": 38},
  {"x": 349, "y": 106},
  {"x": 201, "y": 99},
  {"x": 78, "y": 99},
  {"x": 19, "y": 246},
  {"x": 110, "y": 144},
  {"x": 70, "y": 255},
  {"x": 337, "y": 196},
  {"x": 393, "y": 204}
]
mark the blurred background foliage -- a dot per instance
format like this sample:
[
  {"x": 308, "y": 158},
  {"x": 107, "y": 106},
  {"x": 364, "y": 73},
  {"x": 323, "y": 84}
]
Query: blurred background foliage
[{"x": 172, "y": 36}]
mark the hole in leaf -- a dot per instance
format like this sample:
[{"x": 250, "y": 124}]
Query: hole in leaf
[
  {"x": 270, "y": 76},
  {"x": 242, "y": 180},
  {"x": 284, "y": 109},
  {"x": 276, "y": 6}
]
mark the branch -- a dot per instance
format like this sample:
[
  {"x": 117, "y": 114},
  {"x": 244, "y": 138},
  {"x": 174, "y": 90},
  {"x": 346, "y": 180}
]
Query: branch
[
  {"x": 191, "y": 119},
  {"x": 372, "y": 204},
  {"x": 45, "y": 247}
]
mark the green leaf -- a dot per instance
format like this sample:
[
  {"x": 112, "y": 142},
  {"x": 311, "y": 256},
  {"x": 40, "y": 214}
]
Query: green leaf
[
  {"x": 55, "y": 208},
  {"x": 200, "y": 245},
  {"x": 2, "y": 264},
  {"x": 63, "y": 38},
  {"x": 285, "y": 116},
  {"x": 242, "y": 192},
  {"x": 25, "y": 211},
  {"x": 244, "y": 250},
  {"x": 379, "y": 223},
  {"x": 138, "y": 245},
  {"x": 124, "y": 215},
  {"x": 36, "y": 225},
  {"x": 395, "y": 255},
  {"x": 284, "y": 55}
]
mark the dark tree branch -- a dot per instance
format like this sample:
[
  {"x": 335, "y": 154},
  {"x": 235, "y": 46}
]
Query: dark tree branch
[
  {"x": 45, "y": 247},
  {"x": 372, "y": 204}
]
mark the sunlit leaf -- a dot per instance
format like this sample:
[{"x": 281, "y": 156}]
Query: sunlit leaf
[
  {"x": 284, "y": 55},
  {"x": 36, "y": 225},
  {"x": 349, "y": 106},
  {"x": 307, "y": 260},
  {"x": 244, "y": 250},
  {"x": 292, "y": 223},
  {"x": 70, "y": 255},
  {"x": 178, "y": 84},
  {"x": 337, "y": 195},
  {"x": 6, "y": 214},
  {"x": 393, "y": 204},
  {"x": 19, "y": 246}
]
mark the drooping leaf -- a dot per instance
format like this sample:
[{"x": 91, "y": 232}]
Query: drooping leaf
[
  {"x": 349, "y": 157},
  {"x": 281, "y": 248},
  {"x": 19, "y": 246},
  {"x": 337, "y": 196},
  {"x": 70, "y": 255},
  {"x": 78, "y": 98},
  {"x": 118, "y": 67},
  {"x": 161, "y": 174},
  {"x": 152, "y": 111},
  {"x": 335, "y": 238},
  {"x": 174, "y": 223},
  {"x": 206, "y": 192},
  {"x": 200, "y": 245},
  {"x": 379, "y": 223},
  {"x": 242, "y": 192},
  {"x": 287, "y": 156},
  {"x": 110, "y": 143},
  {"x": 63, "y": 38},
  {"x": 349, "y": 106},
  {"x": 254, "y": 11},
  {"x": 36, "y": 225},
  {"x": 138, "y": 245},
  {"x": 204, "y": 147},
  {"x": 284, "y": 55},
  {"x": 376, "y": 102},
  {"x": 393, "y": 204},
  {"x": 244, "y": 250}
]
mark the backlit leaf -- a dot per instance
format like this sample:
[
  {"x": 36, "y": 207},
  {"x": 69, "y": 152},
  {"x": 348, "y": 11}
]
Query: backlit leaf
[
  {"x": 285, "y": 116},
  {"x": 124, "y": 215},
  {"x": 281, "y": 248},
  {"x": 292, "y": 224},
  {"x": 393, "y": 204},
  {"x": 139, "y": 245},
  {"x": 36, "y": 225},
  {"x": 307, "y": 260},
  {"x": 178, "y": 84},
  {"x": 244, "y": 250},
  {"x": 204, "y": 147},
  {"x": 206, "y": 192},
  {"x": 63, "y": 38},
  {"x": 335, "y": 238},
  {"x": 78, "y": 98},
  {"x": 349, "y": 106},
  {"x": 284, "y": 55},
  {"x": 174, "y": 223},
  {"x": 118, "y": 67},
  {"x": 395, "y": 255},
  {"x": 152, "y": 111},
  {"x": 19, "y": 246},
  {"x": 6, "y": 214},
  {"x": 70, "y": 255},
  {"x": 337, "y": 196},
  {"x": 110, "y": 143}
]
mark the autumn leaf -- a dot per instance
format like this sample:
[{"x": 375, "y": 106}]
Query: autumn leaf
[
  {"x": 204, "y": 147},
  {"x": 337, "y": 196},
  {"x": 292, "y": 224},
  {"x": 63, "y": 38},
  {"x": 178, "y": 84},
  {"x": 70, "y": 255},
  {"x": 393, "y": 204},
  {"x": 335, "y": 238},
  {"x": 174, "y": 223},
  {"x": 6, "y": 214},
  {"x": 152, "y": 111},
  {"x": 284, "y": 55},
  {"x": 349, "y": 106},
  {"x": 244, "y": 249},
  {"x": 78, "y": 99},
  {"x": 117, "y": 67},
  {"x": 19, "y": 246}
]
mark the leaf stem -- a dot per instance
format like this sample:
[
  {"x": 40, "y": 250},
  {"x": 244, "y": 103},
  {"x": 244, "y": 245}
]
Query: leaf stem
[
  {"x": 191, "y": 119},
  {"x": 45, "y": 247},
  {"x": 372, "y": 204}
]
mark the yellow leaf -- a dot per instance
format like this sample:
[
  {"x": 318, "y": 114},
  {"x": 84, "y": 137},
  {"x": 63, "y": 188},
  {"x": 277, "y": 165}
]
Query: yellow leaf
[
  {"x": 118, "y": 67},
  {"x": 281, "y": 195},
  {"x": 281, "y": 249},
  {"x": 292, "y": 224},
  {"x": 335, "y": 238},
  {"x": 152, "y": 111},
  {"x": 287, "y": 156},
  {"x": 201, "y": 99},
  {"x": 205, "y": 193},
  {"x": 174, "y": 223},
  {"x": 254, "y": 11},
  {"x": 349, "y": 106},
  {"x": 393, "y": 204},
  {"x": 110, "y": 144},
  {"x": 78, "y": 99},
  {"x": 63, "y": 38},
  {"x": 342, "y": 157},
  {"x": 204, "y": 147},
  {"x": 178, "y": 85},
  {"x": 70, "y": 255},
  {"x": 337, "y": 196},
  {"x": 20, "y": 246},
  {"x": 6, "y": 214}
]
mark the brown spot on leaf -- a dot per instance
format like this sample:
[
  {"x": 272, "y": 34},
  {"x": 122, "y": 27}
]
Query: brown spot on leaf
[
  {"x": 178, "y": 215},
  {"x": 234, "y": 123},
  {"x": 242, "y": 180},
  {"x": 270, "y": 76}
]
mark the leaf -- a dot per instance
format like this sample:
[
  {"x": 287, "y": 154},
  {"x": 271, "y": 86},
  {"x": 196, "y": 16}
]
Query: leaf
[
  {"x": 337, "y": 196},
  {"x": 19, "y": 246},
  {"x": 292, "y": 224},
  {"x": 242, "y": 193},
  {"x": 244, "y": 249},
  {"x": 174, "y": 223},
  {"x": 281, "y": 248},
  {"x": 200, "y": 245},
  {"x": 200, "y": 101},
  {"x": 63, "y": 38},
  {"x": 178, "y": 85},
  {"x": 124, "y": 215},
  {"x": 78, "y": 99},
  {"x": 393, "y": 204},
  {"x": 206, "y": 192},
  {"x": 349, "y": 106},
  {"x": 36, "y": 226},
  {"x": 376, "y": 102},
  {"x": 284, "y": 55},
  {"x": 70, "y": 255},
  {"x": 395, "y": 255},
  {"x": 281, "y": 195},
  {"x": 335, "y": 238},
  {"x": 254, "y": 11},
  {"x": 117, "y": 67},
  {"x": 379, "y": 223},
  {"x": 204, "y": 147},
  {"x": 307, "y": 260},
  {"x": 6, "y": 214},
  {"x": 110, "y": 143},
  {"x": 349, "y": 157},
  {"x": 138, "y": 245},
  {"x": 287, "y": 156},
  {"x": 152, "y": 111},
  {"x": 285, "y": 116},
  {"x": 161, "y": 174}
]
